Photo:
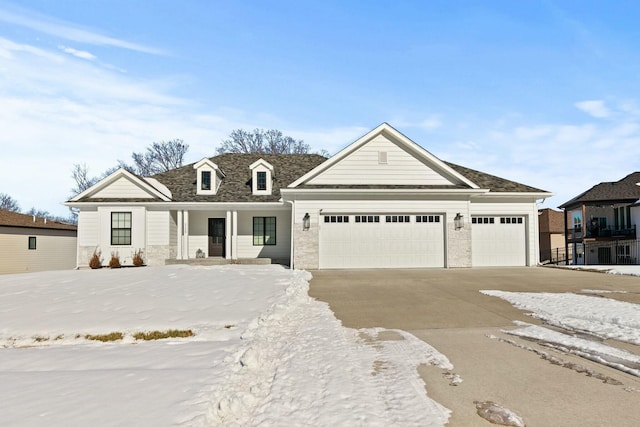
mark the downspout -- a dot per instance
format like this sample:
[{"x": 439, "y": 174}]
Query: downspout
[{"x": 293, "y": 220}]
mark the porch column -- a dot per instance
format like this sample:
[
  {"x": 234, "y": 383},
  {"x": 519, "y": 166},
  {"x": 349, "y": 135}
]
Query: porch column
[
  {"x": 227, "y": 233},
  {"x": 234, "y": 235},
  {"x": 179, "y": 235},
  {"x": 185, "y": 251}
]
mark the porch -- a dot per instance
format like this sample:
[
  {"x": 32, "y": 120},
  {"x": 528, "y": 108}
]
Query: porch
[
  {"x": 218, "y": 261},
  {"x": 242, "y": 234}
]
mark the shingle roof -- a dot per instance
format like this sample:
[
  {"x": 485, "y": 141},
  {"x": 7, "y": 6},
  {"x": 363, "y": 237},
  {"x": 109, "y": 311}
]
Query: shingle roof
[
  {"x": 14, "y": 219},
  {"x": 626, "y": 191},
  {"x": 492, "y": 182},
  {"x": 236, "y": 186}
]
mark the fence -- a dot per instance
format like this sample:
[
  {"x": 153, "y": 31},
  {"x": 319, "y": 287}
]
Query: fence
[{"x": 619, "y": 252}]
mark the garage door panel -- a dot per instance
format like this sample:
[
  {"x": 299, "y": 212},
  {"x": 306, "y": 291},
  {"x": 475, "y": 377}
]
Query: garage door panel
[
  {"x": 366, "y": 244},
  {"x": 496, "y": 242}
]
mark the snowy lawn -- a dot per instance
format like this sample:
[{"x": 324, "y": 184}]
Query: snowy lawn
[
  {"x": 263, "y": 352},
  {"x": 574, "y": 315}
]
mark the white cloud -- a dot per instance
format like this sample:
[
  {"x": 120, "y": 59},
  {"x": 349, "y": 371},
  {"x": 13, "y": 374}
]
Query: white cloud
[
  {"x": 68, "y": 31},
  {"x": 77, "y": 53},
  {"x": 594, "y": 108}
]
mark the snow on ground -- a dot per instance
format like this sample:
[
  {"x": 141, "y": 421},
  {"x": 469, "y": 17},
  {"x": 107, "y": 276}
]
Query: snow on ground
[
  {"x": 627, "y": 270},
  {"x": 594, "y": 317},
  {"x": 264, "y": 353}
]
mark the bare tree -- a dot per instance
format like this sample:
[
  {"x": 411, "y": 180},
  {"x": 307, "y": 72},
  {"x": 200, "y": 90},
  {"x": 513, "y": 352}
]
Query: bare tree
[
  {"x": 80, "y": 174},
  {"x": 160, "y": 157},
  {"x": 8, "y": 203},
  {"x": 264, "y": 142}
]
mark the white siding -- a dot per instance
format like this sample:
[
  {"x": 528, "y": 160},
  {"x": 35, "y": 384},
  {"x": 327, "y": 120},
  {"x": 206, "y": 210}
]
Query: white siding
[
  {"x": 199, "y": 230},
  {"x": 88, "y": 228},
  {"x": 282, "y": 248},
  {"x": 158, "y": 228},
  {"x": 122, "y": 188},
  {"x": 363, "y": 167},
  {"x": 138, "y": 233},
  {"x": 55, "y": 250}
]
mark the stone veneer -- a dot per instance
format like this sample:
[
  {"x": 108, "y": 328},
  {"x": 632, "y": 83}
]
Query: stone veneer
[
  {"x": 458, "y": 246},
  {"x": 305, "y": 247}
]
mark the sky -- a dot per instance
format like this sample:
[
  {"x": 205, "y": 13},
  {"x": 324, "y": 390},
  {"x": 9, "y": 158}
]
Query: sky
[{"x": 544, "y": 93}]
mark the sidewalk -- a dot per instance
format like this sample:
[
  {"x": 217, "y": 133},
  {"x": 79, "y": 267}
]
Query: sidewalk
[{"x": 445, "y": 309}]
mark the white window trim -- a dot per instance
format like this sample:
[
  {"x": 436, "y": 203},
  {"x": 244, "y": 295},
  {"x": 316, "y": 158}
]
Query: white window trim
[
  {"x": 261, "y": 165},
  {"x": 206, "y": 165}
]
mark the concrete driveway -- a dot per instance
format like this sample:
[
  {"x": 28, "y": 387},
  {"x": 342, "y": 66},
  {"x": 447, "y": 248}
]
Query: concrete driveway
[{"x": 445, "y": 309}]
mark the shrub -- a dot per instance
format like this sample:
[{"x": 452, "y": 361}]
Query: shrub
[
  {"x": 113, "y": 336},
  {"x": 115, "y": 260},
  {"x": 137, "y": 258},
  {"x": 159, "y": 335},
  {"x": 95, "y": 261}
]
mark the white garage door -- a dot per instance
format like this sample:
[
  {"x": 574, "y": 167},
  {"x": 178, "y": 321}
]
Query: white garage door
[
  {"x": 498, "y": 241},
  {"x": 381, "y": 241}
]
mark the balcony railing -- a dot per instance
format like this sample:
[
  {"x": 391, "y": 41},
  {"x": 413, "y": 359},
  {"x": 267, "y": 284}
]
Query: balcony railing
[{"x": 606, "y": 232}]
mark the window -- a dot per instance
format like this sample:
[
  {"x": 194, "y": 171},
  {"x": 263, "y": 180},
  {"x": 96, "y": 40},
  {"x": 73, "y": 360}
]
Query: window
[
  {"x": 205, "y": 181},
  {"x": 120, "y": 228},
  {"x": 264, "y": 230},
  {"x": 336, "y": 218},
  {"x": 482, "y": 220},
  {"x": 397, "y": 218},
  {"x": 367, "y": 218},
  {"x": 261, "y": 178},
  {"x": 32, "y": 243},
  {"x": 428, "y": 218},
  {"x": 510, "y": 220}
]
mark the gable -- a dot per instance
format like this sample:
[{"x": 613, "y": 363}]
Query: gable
[
  {"x": 122, "y": 185},
  {"x": 381, "y": 162},
  {"x": 121, "y": 188}
]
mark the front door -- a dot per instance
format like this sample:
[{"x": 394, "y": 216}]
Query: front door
[{"x": 217, "y": 237}]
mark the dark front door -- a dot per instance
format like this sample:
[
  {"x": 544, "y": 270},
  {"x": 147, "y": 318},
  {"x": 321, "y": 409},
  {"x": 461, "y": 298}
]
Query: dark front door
[{"x": 216, "y": 237}]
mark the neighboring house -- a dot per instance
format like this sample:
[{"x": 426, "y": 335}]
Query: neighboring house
[
  {"x": 382, "y": 202},
  {"x": 601, "y": 222},
  {"x": 29, "y": 243},
  {"x": 552, "y": 229}
]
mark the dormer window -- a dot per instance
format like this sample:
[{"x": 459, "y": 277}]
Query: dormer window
[
  {"x": 208, "y": 177},
  {"x": 261, "y": 183},
  {"x": 205, "y": 181},
  {"x": 261, "y": 178}
]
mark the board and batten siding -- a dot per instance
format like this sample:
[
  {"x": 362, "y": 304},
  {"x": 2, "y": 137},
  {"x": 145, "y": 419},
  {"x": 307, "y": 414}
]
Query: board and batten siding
[
  {"x": 199, "y": 230},
  {"x": 363, "y": 167},
  {"x": 55, "y": 250},
  {"x": 122, "y": 188},
  {"x": 138, "y": 233}
]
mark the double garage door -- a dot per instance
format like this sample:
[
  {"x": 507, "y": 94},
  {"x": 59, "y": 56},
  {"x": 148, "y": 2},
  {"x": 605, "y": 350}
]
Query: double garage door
[
  {"x": 416, "y": 241},
  {"x": 381, "y": 241}
]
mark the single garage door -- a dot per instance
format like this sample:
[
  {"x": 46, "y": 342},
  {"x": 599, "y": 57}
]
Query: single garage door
[
  {"x": 381, "y": 241},
  {"x": 498, "y": 241}
]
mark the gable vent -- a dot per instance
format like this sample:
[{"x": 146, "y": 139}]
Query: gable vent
[{"x": 382, "y": 157}]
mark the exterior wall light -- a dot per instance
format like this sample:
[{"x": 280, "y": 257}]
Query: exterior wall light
[
  {"x": 458, "y": 221},
  {"x": 306, "y": 222}
]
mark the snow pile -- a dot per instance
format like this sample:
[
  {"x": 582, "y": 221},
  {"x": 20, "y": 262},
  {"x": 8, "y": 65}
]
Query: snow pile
[
  {"x": 264, "y": 353},
  {"x": 596, "y": 318},
  {"x": 603, "y": 317},
  {"x": 497, "y": 414},
  {"x": 595, "y": 351},
  {"x": 300, "y": 365}
]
